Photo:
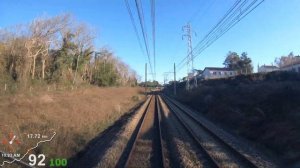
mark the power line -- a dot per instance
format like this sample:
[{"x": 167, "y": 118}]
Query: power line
[
  {"x": 233, "y": 16},
  {"x": 192, "y": 18},
  {"x": 231, "y": 24},
  {"x": 188, "y": 33},
  {"x": 210, "y": 40},
  {"x": 210, "y": 32},
  {"x": 224, "y": 21},
  {"x": 195, "y": 15}
]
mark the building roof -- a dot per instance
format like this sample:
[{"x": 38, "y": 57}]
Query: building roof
[
  {"x": 269, "y": 66},
  {"x": 292, "y": 64},
  {"x": 218, "y": 69}
]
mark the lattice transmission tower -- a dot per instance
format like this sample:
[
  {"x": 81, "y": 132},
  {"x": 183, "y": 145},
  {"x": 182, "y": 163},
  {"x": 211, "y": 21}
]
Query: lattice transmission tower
[{"x": 187, "y": 29}]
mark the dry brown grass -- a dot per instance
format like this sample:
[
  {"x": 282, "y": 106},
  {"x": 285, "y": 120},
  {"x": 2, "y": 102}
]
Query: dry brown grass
[{"x": 77, "y": 116}]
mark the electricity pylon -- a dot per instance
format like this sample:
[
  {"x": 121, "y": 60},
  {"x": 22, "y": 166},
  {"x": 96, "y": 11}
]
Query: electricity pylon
[{"x": 190, "y": 57}]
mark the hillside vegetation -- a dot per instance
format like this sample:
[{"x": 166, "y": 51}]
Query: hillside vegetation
[
  {"x": 50, "y": 70},
  {"x": 264, "y": 108},
  {"x": 57, "y": 50}
]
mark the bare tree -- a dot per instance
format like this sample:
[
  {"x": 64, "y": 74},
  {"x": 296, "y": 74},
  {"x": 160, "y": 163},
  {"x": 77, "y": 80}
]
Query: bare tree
[
  {"x": 42, "y": 32},
  {"x": 62, "y": 49},
  {"x": 83, "y": 39}
]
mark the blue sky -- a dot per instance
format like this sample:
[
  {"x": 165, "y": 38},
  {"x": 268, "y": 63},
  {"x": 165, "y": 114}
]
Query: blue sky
[{"x": 272, "y": 30}]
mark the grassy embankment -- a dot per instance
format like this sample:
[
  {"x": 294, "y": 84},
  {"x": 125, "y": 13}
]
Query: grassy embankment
[
  {"x": 262, "y": 108},
  {"x": 77, "y": 116}
]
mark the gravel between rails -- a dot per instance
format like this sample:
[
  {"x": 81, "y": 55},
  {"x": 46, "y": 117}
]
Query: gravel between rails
[
  {"x": 242, "y": 146},
  {"x": 221, "y": 155},
  {"x": 184, "y": 151},
  {"x": 142, "y": 152},
  {"x": 113, "y": 154},
  {"x": 147, "y": 151},
  {"x": 188, "y": 140}
]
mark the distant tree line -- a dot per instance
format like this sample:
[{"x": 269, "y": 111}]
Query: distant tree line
[
  {"x": 242, "y": 64},
  {"x": 59, "y": 50},
  {"x": 287, "y": 60},
  {"x": 153, "y": 83}
]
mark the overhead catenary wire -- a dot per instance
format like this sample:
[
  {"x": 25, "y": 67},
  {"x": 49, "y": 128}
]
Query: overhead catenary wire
[
  {"x": 139, "y": 8},
  {"x": 134, "y": 26},
  {"x": 153, "y": 34},
  {"x": 142, "y": 23}
]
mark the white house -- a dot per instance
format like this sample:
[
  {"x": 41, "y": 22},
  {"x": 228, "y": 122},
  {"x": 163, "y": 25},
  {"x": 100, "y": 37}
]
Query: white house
[
  {"x": 295, "y": 67},
  {"x": 267, "y": 68},
  {"x": 216, "y": 73}
]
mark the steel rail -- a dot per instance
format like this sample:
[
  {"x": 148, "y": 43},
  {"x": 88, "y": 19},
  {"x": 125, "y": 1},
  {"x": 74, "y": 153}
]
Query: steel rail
[
  {"x": 213, "y": 161},
  {"x": 137, "y": 135},
  {"x": 232, "y": 149},
  {"x": 161, "y": 158},
  {"x": 158, "y": 113}
]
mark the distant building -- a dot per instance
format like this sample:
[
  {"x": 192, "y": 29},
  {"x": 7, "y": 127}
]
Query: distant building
[
  {"x": 194, "y": 73},
  {"x": 216, "y": 73},
  {"x": 295, "y": 67},
  {"x": 190, "y": 75},
  {"x": 267, "y": 68}
]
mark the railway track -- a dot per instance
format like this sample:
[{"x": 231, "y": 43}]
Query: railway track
[
  {"x": 169, "y": 134},
  {"x": 147, "y": 149},
  {"x": 219, "y": 152}
]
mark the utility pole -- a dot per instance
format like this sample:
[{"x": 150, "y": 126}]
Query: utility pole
[
  {"x": 165, "y": 77},
  {"x": 174, "y": 79},
  {"x": 190, "y": 57},
  {"x": 146, "y": 78}
]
